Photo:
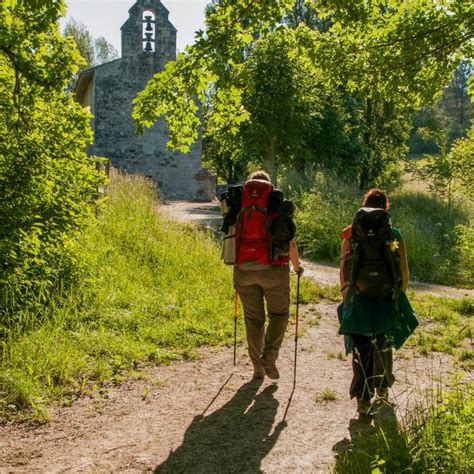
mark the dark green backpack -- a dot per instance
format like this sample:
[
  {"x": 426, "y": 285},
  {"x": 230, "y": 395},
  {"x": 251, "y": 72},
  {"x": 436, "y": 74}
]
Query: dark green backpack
[{"x": 373, "y": 266}]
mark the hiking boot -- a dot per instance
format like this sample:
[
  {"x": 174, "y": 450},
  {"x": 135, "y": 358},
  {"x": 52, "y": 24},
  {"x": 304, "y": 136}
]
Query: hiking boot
[
  {"x": 363, "y": 407},
  {"x": 258, "y": 375},
  {"x": 270, "y": 368},
  {"x": 382, "y": 393},
  {"x": 258, "y": 371}
]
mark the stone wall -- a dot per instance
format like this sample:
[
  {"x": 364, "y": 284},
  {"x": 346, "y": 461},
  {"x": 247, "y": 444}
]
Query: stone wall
[{"x": 205, "y": 185}]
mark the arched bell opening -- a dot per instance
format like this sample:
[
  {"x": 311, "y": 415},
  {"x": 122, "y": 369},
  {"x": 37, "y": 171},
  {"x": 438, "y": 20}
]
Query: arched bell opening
[{"x": 148, "y": 30}]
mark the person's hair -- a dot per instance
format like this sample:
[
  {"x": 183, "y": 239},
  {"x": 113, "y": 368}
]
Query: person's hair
[
  {"x": 260, "y": 174},
  {"x": 376, "y": 198}
]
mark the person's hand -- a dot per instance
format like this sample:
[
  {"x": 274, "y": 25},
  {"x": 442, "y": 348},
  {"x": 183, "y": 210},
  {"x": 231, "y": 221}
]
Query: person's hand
[{"x": 299, "y": 270}]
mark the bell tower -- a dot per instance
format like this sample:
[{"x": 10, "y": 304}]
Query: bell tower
[
  {"x": 148, "y": 32},
  {"x": 148, "y": 43}
]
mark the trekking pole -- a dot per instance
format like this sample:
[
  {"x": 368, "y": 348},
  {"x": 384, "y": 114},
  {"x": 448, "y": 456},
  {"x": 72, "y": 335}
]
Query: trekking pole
[
  {"x": 296, "y": 326},
  {"x": 236, "y": 313}
]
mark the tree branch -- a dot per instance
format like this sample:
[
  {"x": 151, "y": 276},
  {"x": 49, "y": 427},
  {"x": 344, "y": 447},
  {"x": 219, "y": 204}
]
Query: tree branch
[
  {"x": 17, "y": 88},
  {"x": 408, "y": 38}
]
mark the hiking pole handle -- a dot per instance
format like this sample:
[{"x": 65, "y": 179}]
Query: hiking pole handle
[{"x": 297, "y": 306}]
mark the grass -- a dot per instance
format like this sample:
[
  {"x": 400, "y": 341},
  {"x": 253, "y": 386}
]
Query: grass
[
  {"x": 313, "y": 320},
  {"x": 327, "y": 395},
  {"x": 336, "y": 355},
  {"x": 446, "y": 326},
  {"x": 310, "y": 291},
  {"x": 151, "y": 292},
  {"x": 437, "y": 435}
]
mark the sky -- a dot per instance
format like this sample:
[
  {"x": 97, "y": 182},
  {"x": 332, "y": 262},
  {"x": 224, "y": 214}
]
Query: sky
[{"x": 105, "y": 17}]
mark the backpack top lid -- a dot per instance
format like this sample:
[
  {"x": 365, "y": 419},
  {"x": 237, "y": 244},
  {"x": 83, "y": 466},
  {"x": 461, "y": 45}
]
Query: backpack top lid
[
  {"x": 256, "y": 193},
  {"x": 371, "y": 223}
]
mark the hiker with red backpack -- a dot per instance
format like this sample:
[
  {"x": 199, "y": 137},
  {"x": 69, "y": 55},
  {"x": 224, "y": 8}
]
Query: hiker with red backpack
[
  {"x": 375, "y": 315},
  {"x": 259, "y": 223}
]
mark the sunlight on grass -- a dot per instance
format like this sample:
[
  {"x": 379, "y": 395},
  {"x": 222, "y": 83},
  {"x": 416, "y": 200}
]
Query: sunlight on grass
[
  {"x": 436, "y": 435},
  {"x": 151, "y": 292},
  {"x": 446, "y": 326}
]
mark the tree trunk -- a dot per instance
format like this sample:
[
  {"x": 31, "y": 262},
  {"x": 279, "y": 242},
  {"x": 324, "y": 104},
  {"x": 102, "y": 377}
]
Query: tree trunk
[
  {"x": 270, "y": 161},
  {"x": 365, "y": 174}
]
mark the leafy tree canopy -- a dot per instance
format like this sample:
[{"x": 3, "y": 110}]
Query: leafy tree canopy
[
  {"x": 396, "y": 50},
  {"x": 47, "y": 182}
]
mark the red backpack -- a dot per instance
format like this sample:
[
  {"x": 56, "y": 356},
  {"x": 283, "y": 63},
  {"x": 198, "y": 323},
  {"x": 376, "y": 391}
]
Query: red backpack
[{"x": 253, "y": 237}]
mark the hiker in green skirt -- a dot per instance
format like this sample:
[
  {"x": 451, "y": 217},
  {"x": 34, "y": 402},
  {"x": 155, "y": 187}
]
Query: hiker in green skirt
[{"x": 375, "y": 315}]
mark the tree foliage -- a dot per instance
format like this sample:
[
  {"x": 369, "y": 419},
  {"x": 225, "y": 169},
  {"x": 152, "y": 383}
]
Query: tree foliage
[
  {"x": 279, "y": 94},
  {"x": 104, "y": 51},
  {"x": 398, "y": 51},
  {"x": 177, "y": 91},
  {"x": 93, "y": 51},
  {"x": 84, "y": 41},
  {"x": 273, "y": 88},
  {"x": 448, "y": 117},
  {"x": 450, "y": 175},
  {"x": 403, "y": 50},
  {"x": 47, "y": 182}
]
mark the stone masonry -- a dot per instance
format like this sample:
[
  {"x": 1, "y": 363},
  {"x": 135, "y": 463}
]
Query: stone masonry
[{"x": 109, "y": 90}]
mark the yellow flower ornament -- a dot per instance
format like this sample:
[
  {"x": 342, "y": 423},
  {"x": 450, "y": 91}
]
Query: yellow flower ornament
[{"x": 393, "y": 245}]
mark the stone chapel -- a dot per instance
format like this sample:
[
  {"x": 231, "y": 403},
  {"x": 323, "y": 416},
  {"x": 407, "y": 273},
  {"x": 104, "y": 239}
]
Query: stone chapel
[{"x": 148, "y": 43}]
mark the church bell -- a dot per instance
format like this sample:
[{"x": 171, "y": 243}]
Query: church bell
[
  {"x": 148, "y": 47},
  {"x": 148, "y": 24}
]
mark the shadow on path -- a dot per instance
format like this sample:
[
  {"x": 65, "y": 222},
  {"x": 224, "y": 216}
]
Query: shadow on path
[
  {"x": 373, "y": 439},
  {"x": 234, "y": 438}
]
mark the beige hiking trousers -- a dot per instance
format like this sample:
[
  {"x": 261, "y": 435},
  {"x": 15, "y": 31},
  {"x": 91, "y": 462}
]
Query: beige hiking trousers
[{"x": 255, "y": 288}]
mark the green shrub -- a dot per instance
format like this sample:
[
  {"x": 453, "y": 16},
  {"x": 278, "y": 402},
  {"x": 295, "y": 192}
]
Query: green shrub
[
  {"x": 463, "y": 250},
  {"x": 433, "y": 232},
  {"x": 442, "y": 438},
  {"x": 440, "y": 243},
  {"x": 150, "y": 290},
  {"x": 321, "y": 215}
]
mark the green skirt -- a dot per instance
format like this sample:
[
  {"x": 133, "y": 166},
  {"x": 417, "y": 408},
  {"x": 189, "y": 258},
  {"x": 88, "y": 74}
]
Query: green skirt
[{"x": 367, "y": 316}]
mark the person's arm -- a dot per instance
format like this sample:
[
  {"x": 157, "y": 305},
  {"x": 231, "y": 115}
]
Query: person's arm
[
  {"x": 345, "y": 247},
  {"x": 294, "y": 256},
  {"x": 404, "y": 265}
]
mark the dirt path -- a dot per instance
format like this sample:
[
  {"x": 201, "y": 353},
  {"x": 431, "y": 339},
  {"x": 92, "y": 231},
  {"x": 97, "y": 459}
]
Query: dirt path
[{"x": 205, "y": 416}]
